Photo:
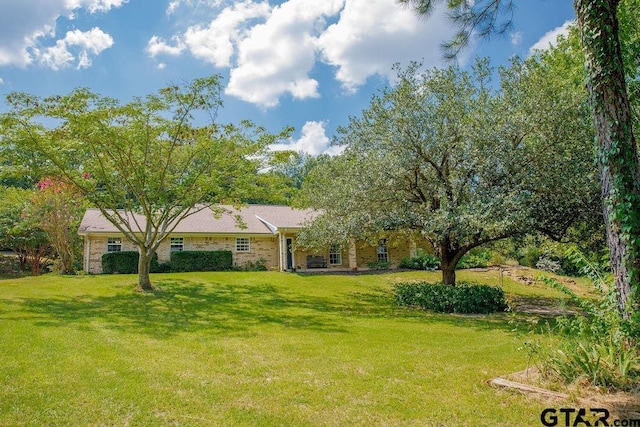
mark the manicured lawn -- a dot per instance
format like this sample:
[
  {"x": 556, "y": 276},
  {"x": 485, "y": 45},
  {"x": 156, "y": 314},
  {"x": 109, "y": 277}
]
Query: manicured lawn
[{"x": 251, "y": 349}]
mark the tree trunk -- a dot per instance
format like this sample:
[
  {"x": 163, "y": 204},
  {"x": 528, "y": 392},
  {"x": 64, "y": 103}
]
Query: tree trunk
[
  {"x": 448, "y": 273},
  {"x": 144, "y": 267},
  {"x": 449, "y": 258},
  {"x": 617, "y": 154}
]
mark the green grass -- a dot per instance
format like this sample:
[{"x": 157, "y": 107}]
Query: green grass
[{"x": 251, "y": 349}]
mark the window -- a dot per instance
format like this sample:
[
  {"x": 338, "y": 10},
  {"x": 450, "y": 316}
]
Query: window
[
  {"x": 114, "y": 244},
  {"x": 335, "y": 255},
  {"x": 383, "y": 253},
  {"x": 243, "y": 244},
  {"x": 177, "y": 244}
]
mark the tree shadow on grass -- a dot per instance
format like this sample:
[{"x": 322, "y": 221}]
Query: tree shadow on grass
[{"x": 183, "y": 306}]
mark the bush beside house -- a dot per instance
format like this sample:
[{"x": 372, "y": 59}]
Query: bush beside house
[{"x": 202, "y": 261}]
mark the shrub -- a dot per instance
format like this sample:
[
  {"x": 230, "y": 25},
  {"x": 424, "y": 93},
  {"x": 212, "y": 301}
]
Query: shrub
[
  {"x": 425, "y": 262},
  {"x": 475, "y": 258},
  {"x": 379, "y": 265},
  {"x": 125, "y": 262},
  {"x": 598, "y": 346},
  {"x": 548, "y": 263},
  {"x": 9, "y": 264},
  {"x": 201, "y": 261},
  {"x": 463, "y": 298},
  {"x": 529, "y": 256},
  {"x": 259, "y": 265}
]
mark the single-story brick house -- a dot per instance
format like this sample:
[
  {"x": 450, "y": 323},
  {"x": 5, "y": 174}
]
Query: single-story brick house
[{"x": 268, "y": 233}]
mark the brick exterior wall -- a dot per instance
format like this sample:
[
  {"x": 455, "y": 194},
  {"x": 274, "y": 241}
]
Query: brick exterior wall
[
  {"x": 261, "y": 248},
  {"x": 98, "y": 247}
]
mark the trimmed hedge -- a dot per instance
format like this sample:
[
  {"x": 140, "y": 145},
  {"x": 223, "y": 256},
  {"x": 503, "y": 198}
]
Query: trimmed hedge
[
  {"x": 463, "y": 298},
  {"x": 201, "y": 261},
  {"x": 125, "y": 262}
]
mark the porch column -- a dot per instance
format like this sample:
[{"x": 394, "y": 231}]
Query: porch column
[
  {"x": 353, "y": 255},
  {"x": 281, "y": 252},
  {"x": 87, "y": 254}
]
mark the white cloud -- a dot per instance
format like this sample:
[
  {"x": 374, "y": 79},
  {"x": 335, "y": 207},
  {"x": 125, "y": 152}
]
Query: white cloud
[
  {"x": 370, "y": 36},
  {"x": 271, "y": 51},
  {"x": 63, "y": 54},
  {"x": 516, "y": 38},
  {"x": 549, "y": 39},
  {"x": 276, "y": 57},
  {"x": 157, "y": 46},
  {"x": 215, "y": 43},
  {"x": 313, "y": 140},
  {"x": 25, "y": 25},
  {"x": 174, "y": 5},
  {"x": 94, "y": 6}
]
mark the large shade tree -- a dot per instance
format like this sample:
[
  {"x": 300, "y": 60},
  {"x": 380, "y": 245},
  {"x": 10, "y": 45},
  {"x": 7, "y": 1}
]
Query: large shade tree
[
  {"x": 444, "y": 154},
  {"x": 161, "y": 157},
  {"x": 600, "y": 30}
]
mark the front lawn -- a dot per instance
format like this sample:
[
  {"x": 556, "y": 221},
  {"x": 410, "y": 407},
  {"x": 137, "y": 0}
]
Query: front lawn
[{"x": 251, "y": 349}]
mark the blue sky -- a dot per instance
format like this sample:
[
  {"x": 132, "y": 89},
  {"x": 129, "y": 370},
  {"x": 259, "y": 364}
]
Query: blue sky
[{"x": 309, "y": 64}]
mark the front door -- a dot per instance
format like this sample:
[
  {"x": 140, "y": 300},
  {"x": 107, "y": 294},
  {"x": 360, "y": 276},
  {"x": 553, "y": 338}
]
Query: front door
[{"x": 289, "y": 254}]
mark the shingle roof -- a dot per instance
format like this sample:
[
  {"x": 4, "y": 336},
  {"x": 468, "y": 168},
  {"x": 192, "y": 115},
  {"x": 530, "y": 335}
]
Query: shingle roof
[{"x": 257, "y": 219}]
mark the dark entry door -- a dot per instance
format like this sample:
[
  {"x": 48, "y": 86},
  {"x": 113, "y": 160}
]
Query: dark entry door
[{"x": 289, "y": 254}]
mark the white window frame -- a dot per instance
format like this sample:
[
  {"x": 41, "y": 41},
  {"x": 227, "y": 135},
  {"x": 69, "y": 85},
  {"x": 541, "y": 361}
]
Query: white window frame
[
  {"x": 243, "y": 244},
  {"x": 176, "y": 244},
  {"x": 114, "y": 244},
  {"x": 335, "y": 255},
  {"x": 382, "y": 251}
]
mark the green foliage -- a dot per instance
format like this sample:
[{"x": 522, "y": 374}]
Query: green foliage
[
  {"x": 529, "y": 256},
  {"x": 475, "y": 258},
  {"x": 425, "y": 262},
  {"x": 446, "y": 153},
  {"x": 202, "y": 261},
  {"x": 379, "y": 265},
  {"x": 161, "y": 157},
  {"x": 9, "y": 265},
  {"x": 597, "y": 345},
  {"x": 463, "y": 298},
  {"x": 21, "y": 231},
  {"x": 59, "y": 207},
  {"x": 548, "y": 263},
  {"x": 259, "y": 265},
  {"x": 124, "y": 262}
]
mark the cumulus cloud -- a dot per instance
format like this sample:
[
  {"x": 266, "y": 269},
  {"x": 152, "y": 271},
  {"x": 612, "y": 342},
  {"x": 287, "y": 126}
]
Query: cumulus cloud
[
  {"x": 368, "y": 34},
  {"x": 157, "y": 46},
  {"x": 549, "y": 39},
  {"x": 76, "y": 47},
  {"x": 276, "y": 57},
  {"x": 313, "y": 140},
  {"x": 215, "y": 42},
  {"x": 271, "y": 51},
  {"x": 27, "y": 25}
]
